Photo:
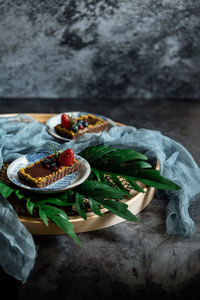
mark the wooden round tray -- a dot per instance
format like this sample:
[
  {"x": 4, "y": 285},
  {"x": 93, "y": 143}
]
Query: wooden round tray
[{"x": 136, "y": 203}]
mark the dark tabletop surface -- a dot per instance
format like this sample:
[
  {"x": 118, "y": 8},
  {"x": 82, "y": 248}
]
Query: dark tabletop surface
[{"x": 127, "y": 260}]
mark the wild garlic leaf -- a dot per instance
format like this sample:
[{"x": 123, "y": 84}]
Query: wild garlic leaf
[
  {"x": 54, "y": 201},
  {"x": 60, "y": 218},
  {"x": 94, "y": 205},
  {"x": 164, "y": 185},
  {"x": 80, "y": 206},
  {"x": 127, "y": 162},
  {"x": 19, "y": 194},
  {"x": 118, "y": 184},
  {"x": 134, "y": 184},
  {"x": 155, "y": 179},
  {"x": 96, "y": 173},
  {"x": 96, "y": 190},
  {"x": 43, "y": 216},
  {"x": 118, "y": 208},
  {"x": 5, "y": 190},
  {"x": 30, "y": 205}
]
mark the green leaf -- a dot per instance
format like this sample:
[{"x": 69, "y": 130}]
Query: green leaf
[
  {"x": 30, "y": 205},
  {"x": 5, "y": 190},
  {"x": 61, "y": 219},
  {"x": 96, "y": 173},
  {"x": 100, "y": 156},
  {"x": 119, "y": 208},
  {"x": 54, "y": 201},
  {"x": 165, "y": 185},
  {"x": 139, "y": 165},
  {"x": 94, "y": 153},
  {"x": 80, "y": 206},
  {"x": 134, "y": 184},
  {"x": 94, "y": 205},
  {"x": 121, "y": 156},
  {"x": 66, "y": 226},
  {"x": 154, "y": 179},
  {"x": 43, "y": 216},
  {"x": 62, "y": 196},
  {"x": 70, "y": 195},
  {"x": 118, "y": 184},
  {"x": 50, "y": 210},
  {"x": 19, "y": 195},
  {"x": 112, "y": 160},
  {"x": 98, "y": 190},
  {"x": 103, "y": 177}
]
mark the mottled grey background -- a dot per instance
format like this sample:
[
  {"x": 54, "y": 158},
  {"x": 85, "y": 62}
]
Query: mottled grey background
[
  {"x": 114, "y": 49},
  {"x": 129, "y": 50}
]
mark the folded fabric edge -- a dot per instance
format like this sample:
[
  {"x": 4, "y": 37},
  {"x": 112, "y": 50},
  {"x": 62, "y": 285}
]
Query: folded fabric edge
[{"x": 16, "y": 242}]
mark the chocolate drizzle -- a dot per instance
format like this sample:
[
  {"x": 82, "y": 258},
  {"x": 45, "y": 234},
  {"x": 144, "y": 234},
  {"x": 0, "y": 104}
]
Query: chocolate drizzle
[
  {"x": 38, "y": 171},
  {"x": 36, "y": 176}
]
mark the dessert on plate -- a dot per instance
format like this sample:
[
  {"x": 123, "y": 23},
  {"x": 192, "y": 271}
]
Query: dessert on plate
[
  {"x": 74, "y": 127},
  {"x": 49, "y": 169}
]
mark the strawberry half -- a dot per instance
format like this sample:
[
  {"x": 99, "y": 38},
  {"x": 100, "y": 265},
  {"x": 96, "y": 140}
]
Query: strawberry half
[
  {"x": 66, "y": 158},
  {"x": 65, "y": 121}
]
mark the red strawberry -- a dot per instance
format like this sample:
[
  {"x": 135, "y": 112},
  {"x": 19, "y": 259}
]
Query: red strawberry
[
  {"x": 66, "y": 158},
  {"x": 65, "y": 121},
  {"x": 47, "y": 166}
]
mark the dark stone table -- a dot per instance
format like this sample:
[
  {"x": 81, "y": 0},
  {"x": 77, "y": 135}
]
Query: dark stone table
[{"x": 129, "y": 261}]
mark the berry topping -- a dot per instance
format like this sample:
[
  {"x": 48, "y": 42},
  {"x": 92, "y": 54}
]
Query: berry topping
[
  {"x": 46, "y": 161},
  {"x": 74, "y": 128},
  {"x": 85, "y": 124},
  {"x": 80, "y": 122},
  {"x": 66, "y": 121},
  {"x": 47, "y": 166},
  {"x": 53, "y": 164},
  {"x": 55, "y": 169},
  {"x": 80, "y": 126},
  {"x": 66, "y": 158}
]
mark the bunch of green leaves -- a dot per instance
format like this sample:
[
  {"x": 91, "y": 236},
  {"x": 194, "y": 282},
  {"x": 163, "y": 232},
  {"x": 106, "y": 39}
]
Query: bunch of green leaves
[
  {"x": 105, "y": 163},
  {"x": 126, "y": 163}
]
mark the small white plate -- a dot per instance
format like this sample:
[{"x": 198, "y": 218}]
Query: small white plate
[
  {"x": 67, "y": 182},
  {"x": 55, "y": 120}
]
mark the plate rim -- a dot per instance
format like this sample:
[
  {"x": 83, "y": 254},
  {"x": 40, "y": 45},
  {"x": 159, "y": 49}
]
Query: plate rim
[
  {"x": 32, "y": 189},
  {"x": 54, "y": 134}
]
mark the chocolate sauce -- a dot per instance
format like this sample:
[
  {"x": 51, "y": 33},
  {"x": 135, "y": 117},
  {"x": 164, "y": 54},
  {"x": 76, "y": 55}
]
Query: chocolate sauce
[{"x": 38, "y": 171}]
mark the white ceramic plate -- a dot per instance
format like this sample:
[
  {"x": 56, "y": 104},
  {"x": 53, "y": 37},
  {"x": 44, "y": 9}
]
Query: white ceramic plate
[
  {"x": 67, "y": 182},
  {"x": 55, "y": 120}
]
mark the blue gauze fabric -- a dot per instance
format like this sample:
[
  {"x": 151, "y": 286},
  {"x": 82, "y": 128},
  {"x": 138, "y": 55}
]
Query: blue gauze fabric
[
  {"x": 17, "y": 252},
  {"x": 22, "y": 135}
]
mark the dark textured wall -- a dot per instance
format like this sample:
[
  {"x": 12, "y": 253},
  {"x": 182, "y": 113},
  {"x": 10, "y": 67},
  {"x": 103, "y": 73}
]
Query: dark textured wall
[{"x": 115, "y": 49}]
